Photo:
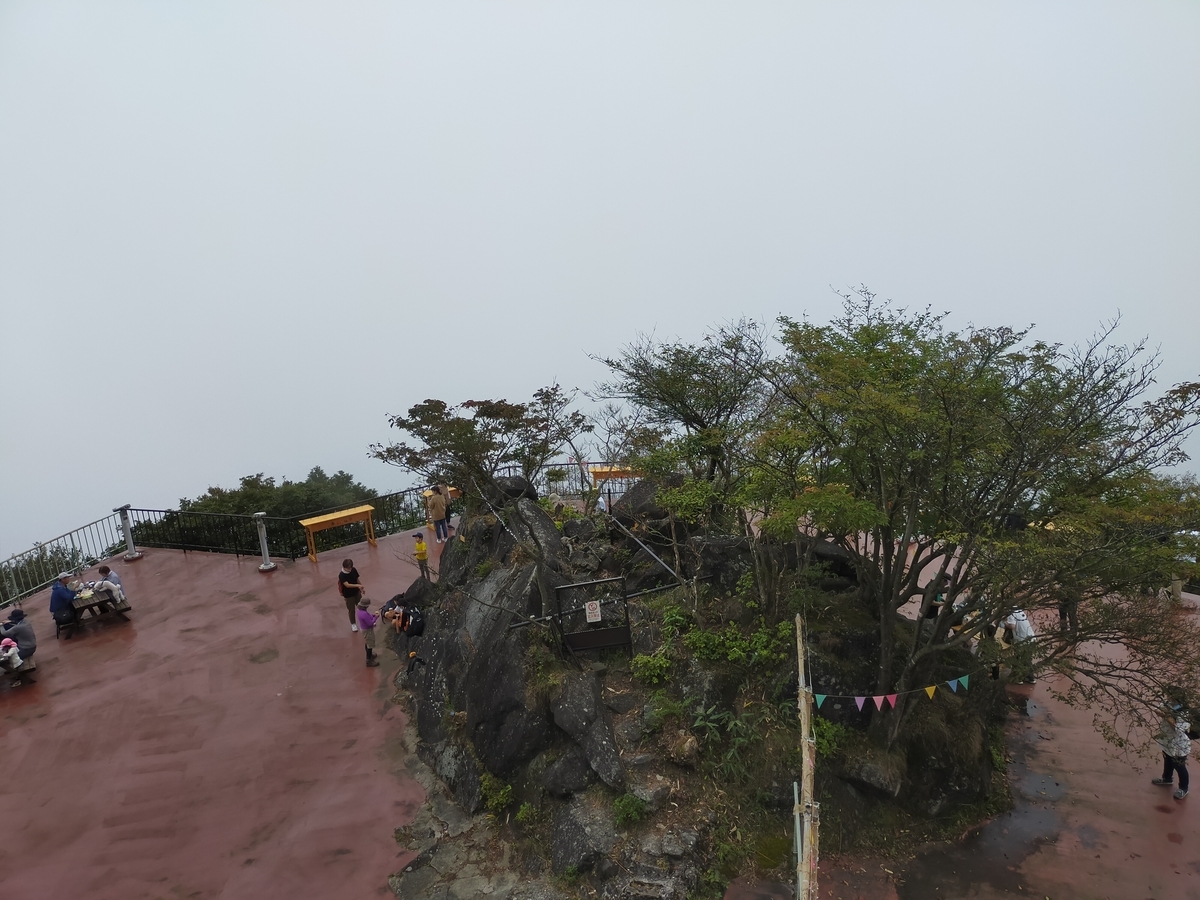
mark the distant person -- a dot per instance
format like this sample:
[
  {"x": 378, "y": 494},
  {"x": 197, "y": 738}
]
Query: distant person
[
  {"x": 107, "y": 574},
  {"x": 600, "y": 504},
  {"x": 367, "y": 621},
  {"x": 1018, "y": 632},
  {"x": 1175, "y": 744},
  {"x": 62, "y": 601},
  {"x": 351, "y": 590},
  {"x": 1068, "y": 610},
  {"x": 411, "y": 623},
  {"x": 421, "y": 551},
  {"x": 436, "y": 505},
  {"x": 18, "y": 629}
]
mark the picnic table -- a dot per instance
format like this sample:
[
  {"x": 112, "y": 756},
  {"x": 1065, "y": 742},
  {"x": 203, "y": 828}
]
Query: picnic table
[{"x": 100, "y": 604}]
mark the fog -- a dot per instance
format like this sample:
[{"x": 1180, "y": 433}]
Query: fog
[{"x": 234, "y": 236}]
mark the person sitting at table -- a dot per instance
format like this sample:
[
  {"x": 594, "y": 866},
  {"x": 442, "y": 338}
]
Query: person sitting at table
[
  {"x": 62, "y": 601},
  {"x": 20, "y": 631},
  {"x": 111, "y": 590},
  {"x": 107, "y": 574}
]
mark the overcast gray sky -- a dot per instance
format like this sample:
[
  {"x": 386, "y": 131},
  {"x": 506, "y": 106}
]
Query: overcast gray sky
[{"x": 233, "y": 236}]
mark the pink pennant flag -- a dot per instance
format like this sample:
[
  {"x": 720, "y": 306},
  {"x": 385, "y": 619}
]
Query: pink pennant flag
[
  {"x": 892, "y": 700},
  {"x": 878, "y": 701},
  {"x": 860, "y": 701}
]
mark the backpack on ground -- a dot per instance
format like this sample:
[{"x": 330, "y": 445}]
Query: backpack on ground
[{"x": 414, "y": 622}]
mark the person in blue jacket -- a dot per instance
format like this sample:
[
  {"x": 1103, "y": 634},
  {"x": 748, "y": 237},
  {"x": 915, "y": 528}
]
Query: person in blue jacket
[{"x": 62, "y": 599}]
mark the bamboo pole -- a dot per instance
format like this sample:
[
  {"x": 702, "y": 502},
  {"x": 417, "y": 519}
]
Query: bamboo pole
[{"x": 806, "y": 864}]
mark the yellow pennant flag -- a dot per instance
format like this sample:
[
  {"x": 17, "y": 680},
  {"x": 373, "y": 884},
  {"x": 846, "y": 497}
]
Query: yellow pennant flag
[{"x": 929, "y": 690}]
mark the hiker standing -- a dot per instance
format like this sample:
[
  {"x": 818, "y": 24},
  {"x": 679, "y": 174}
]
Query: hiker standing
[
  {"x": 1175, "y": 744},
  {"x": 437, "y": 513},
  {"x": 351, "y": 590},
  {"x": 421, "y": 551},
  {"x": 367, "y": 621}
]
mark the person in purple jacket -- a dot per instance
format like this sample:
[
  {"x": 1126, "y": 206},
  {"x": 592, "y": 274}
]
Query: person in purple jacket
[{"x": 367, "y": 621}]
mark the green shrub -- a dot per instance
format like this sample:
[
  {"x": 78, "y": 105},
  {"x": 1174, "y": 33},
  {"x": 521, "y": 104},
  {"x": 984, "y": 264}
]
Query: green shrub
[
  {"x": 764, "y": 646},
  {"x": 484, "y": 569},
  {"x": 497, "y": 796},
  {"x": 662, "y": 708},
  {"x": 650, "y": 669},
  {"x": 830, "y": 737},
  {"x": 675, "y": 620},
  {"x": 628, "y": 809},
  {"x": 528, "y": 814}
]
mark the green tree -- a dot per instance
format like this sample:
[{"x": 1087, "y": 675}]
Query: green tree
[
  {"x": 999, "y": 472},
  {"x": 467, "y": 445}
]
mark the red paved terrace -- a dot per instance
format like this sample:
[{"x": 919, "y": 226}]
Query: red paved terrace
[{"x": 226, "y": 742}]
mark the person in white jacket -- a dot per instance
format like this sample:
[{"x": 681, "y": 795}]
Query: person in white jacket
[
  {"x": 1018, "y": 631},
  {"x": 1176, "y": 746}
]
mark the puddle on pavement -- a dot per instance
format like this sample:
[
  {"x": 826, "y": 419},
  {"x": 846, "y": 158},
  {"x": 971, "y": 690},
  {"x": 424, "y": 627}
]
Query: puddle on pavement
[
  {"x": 991, "y": 856},
  {"x": 1039, "y": 787}
]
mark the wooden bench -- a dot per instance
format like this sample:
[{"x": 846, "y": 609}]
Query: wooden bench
[
  {"x": 334, "y": 519},
  {"x": 24, "y": 672}
]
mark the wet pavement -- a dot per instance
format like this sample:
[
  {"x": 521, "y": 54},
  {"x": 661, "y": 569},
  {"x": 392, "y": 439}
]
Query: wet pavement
[{"x": 227, "y": 742}]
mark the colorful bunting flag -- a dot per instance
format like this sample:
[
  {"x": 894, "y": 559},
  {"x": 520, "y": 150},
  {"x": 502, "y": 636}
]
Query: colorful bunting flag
[{"x": 882, "y": 700}]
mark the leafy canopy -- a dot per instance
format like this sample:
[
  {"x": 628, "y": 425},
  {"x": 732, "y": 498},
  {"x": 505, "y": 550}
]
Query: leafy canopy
[{"x": 284, "y": 498}]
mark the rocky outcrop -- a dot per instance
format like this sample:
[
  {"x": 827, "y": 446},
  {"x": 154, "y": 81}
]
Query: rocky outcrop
[
  {"x": 579, "y": 712},
  {"x": 583, "y": 832}
]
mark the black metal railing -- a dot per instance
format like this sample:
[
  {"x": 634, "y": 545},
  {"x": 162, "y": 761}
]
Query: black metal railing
[{"x": 174, "y": 529}]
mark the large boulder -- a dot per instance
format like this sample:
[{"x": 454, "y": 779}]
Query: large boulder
[
  {"x": 582, "y": 833},
  {"x": 530, "y": 524},
  {"x": 506, "y": 489},
  {"x": 569, "y": 774},
  {"x": 640, "y": 502},
  {"x": 505, "y": 730},
  {"x": 878, "y": 772},
  {"x": 579, "y": 712}
]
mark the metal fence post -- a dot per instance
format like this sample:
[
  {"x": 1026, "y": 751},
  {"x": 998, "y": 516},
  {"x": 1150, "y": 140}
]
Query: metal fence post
[
  {"x": 267, "y": 565},
  {"x": 127, "y": 528}
]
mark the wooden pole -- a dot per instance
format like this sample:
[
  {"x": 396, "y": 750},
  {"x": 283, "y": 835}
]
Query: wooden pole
[{"x": 806, "y": 865}]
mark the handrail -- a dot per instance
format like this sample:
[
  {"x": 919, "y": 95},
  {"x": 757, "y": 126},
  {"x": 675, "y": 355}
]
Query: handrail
[{"x": 24, "y": 574}]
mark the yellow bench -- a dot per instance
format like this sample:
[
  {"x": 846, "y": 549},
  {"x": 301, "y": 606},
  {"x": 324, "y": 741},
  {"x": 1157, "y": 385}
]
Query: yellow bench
[
  {"x": 604, "y": 473},
  {"x": 334, "y": 519}
]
